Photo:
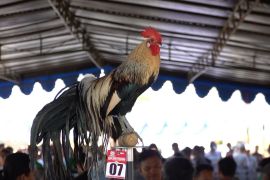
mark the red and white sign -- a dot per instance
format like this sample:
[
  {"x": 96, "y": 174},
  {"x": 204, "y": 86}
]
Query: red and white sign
[{"x": 116, "y": 164}]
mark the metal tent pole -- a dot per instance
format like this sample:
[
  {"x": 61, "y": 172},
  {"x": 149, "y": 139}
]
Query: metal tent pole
[{"x": 130, "y": 167}]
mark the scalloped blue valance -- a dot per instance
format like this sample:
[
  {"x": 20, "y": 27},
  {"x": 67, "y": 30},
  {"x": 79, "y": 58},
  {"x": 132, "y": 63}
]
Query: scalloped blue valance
[
  {"x": 225, "y": 89},
  {"x": 47, "y": 82}
]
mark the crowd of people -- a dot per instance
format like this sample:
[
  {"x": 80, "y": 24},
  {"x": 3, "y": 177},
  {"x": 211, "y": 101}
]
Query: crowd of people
[
  {"x": 149, "y": 164},
  {"x": 196, "y": 164},
  {"x": 14, "y": 166}
]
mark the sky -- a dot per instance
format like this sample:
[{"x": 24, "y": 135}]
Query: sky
[{"x": 161, "y": 117}]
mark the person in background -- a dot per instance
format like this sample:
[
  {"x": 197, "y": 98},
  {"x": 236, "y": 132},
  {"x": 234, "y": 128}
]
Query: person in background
[
  {"x": 199, "y": 156},
  {"x": 257, "y": 155},
  {"x": 136, "y": 165},
  {"x": 264, "y": 169},
  {"x": 3, "y": 154},
  {"x": 227, "y": 169},
  {"x": 16, "y": 167},
  {"x": 187, "y": 151},
  {"x": 153, "y": 147},
  {"x": 2, "y": 146},
  {"x": 9, "y": 149},
  {"x": 150, "y": 164},
  {"x": 252, "y": 166},
  {"x": 178, "y": 168},
  {"x": 230, "y": 151},
  {"x": 214, "y": 156},
  {"x": 266, "y": 172},
  {"x": 176, "y": 151},
  {"x": 204, "y": 172},
  {"x": 241, "y": 160}
]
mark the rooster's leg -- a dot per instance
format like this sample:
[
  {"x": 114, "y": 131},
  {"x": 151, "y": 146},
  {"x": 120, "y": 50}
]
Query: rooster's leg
[{"x": 126, "y": 127}]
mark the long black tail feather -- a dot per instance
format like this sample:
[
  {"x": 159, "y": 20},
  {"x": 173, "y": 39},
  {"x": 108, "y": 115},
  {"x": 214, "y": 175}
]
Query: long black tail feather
[
  {"x": 75, "y": 108},
  {"x": 52, "y": 120}
]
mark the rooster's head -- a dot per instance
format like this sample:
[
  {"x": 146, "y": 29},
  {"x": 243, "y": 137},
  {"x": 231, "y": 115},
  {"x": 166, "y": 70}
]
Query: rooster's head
[{"x": 154, "y": 40}]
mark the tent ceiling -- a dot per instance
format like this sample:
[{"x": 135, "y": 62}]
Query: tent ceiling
[{"x": 39, "y": 37}]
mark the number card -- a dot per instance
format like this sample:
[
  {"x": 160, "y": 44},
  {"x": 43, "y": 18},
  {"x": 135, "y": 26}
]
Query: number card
[{"x": 116, "y": 164}]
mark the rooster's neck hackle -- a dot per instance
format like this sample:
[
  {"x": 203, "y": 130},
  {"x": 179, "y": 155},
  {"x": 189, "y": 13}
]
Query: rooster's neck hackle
[
  {"x": 140, "y": 66},
  {"x": 142, "y": 54}
]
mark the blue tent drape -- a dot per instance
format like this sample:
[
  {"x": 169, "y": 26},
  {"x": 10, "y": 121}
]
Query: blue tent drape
[
  {"x": 47, "y": 82},
  {"x": 202, "y": 87}
]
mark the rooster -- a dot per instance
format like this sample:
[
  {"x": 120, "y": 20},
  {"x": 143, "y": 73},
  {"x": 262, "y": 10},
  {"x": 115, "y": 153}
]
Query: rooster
[{"x": 93, "y": 108}]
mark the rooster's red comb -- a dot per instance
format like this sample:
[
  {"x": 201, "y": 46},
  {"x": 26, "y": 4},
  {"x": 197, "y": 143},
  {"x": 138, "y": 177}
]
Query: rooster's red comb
[{"x": 152, "y": 33}]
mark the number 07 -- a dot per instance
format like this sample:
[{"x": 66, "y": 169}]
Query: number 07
[{"x": 113, "y": 169}]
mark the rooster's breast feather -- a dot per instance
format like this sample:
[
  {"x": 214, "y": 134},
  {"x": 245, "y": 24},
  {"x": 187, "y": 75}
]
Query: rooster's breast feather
[{"x": 128, "y": 82}]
